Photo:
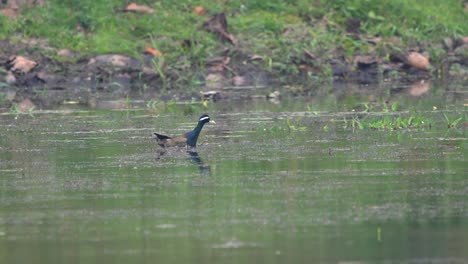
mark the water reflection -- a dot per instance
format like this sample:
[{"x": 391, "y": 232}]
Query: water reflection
[
  {"x": 85, "y": 185},
  {"x": 195, "y": 158}
]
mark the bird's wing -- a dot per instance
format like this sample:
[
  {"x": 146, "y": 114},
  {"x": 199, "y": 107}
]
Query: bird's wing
[{"x": 161, "y": 137}]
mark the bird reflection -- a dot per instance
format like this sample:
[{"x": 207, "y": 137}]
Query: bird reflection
[
  {"x": 195, "y": 158},
  {"x": 192, "y": 157}
]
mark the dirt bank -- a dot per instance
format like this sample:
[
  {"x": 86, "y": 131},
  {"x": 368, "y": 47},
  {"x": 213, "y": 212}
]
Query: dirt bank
[{"x": 33, "y": 69}]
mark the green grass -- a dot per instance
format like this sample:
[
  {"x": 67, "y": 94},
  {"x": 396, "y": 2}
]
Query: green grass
[{"x": 277, "y": 30}]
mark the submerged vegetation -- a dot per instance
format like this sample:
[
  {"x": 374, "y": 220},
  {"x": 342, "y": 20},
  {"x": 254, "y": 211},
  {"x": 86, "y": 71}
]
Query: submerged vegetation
[{"x": 375, "y": 117}]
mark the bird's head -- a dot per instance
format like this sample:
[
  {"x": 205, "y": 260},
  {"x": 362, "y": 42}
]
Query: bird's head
[{"x": 206, "y": 119}]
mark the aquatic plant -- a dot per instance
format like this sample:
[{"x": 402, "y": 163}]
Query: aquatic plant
[
  {"x": 290, "y": 125},
  {"x": 17, "y": 111},
  {"x": 295, "y": 125},
  {"x": 453, "y": 122},
  {"x": 400, "y": 122},
  {"x": 387, "y": 116}
]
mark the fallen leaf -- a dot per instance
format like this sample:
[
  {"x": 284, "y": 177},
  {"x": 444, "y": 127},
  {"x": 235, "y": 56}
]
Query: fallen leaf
[
  {"x": 309, "y": 54},
  {"x": 132, "y": 7},
  {"x": 255, "y": 57},
  {"x": 153, "y": 52}
]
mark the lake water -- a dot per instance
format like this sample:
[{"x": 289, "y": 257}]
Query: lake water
[{"x": 291, "y": 181}]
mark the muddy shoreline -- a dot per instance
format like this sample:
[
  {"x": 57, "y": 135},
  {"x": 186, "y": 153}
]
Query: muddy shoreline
[{"x": 49, "y": 77}]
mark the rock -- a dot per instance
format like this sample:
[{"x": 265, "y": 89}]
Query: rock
[
  {"x": 274, "y": 95},
  {"x": 199, "y": 10},
  {"x": 217, "y": 64},
  {"x": 132, "y": 7},
  {"x": 66, "y": 53},
  {"x": 21, "y": 64},
  {"x": 214, "y": 80},
  {"x": 365, "y": 61},
  {"x": 461, "y": 54},
  {"x": 10, "y": 78},
  {"x": 115, "y": 60},
  {"x": 211, "y": 95},
  {"x": 238, "y": 80},
  {"x": 10, "y": 95},
  {"x": 26, "y": 105},
  {"x": 353, "y": 25},
  {"x": 448, "y": 44},
  {"x": 9, "y": 12},
  {"x": 418, "y": 61},
  {"x": 47, "y": 77},
  {"x": 338, "y": 68}
]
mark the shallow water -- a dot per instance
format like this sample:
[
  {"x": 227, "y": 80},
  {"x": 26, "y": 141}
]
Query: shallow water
[{"x": 91, "y": 186}]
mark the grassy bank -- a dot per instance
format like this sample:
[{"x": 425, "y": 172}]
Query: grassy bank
[{"x": 278, "y": 31}]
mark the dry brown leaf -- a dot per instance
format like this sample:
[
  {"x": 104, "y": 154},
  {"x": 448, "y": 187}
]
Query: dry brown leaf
[
  {"x": 133, "y": 7},
  {"x": 309, "y": 54},
  {"x": 255, "y": 57},
  {"x": 153, "y": 52}
]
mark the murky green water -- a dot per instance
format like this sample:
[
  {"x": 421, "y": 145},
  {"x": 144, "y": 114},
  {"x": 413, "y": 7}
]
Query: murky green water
[{"x": 90, "y": 186}]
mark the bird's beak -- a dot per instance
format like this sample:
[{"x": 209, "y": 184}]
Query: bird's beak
[{"x": 213, "y": 122}]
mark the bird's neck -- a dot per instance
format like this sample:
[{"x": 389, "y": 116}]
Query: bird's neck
[
  {"x": 193, "y": 136},
  {"x": 196, "y": 131}
]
